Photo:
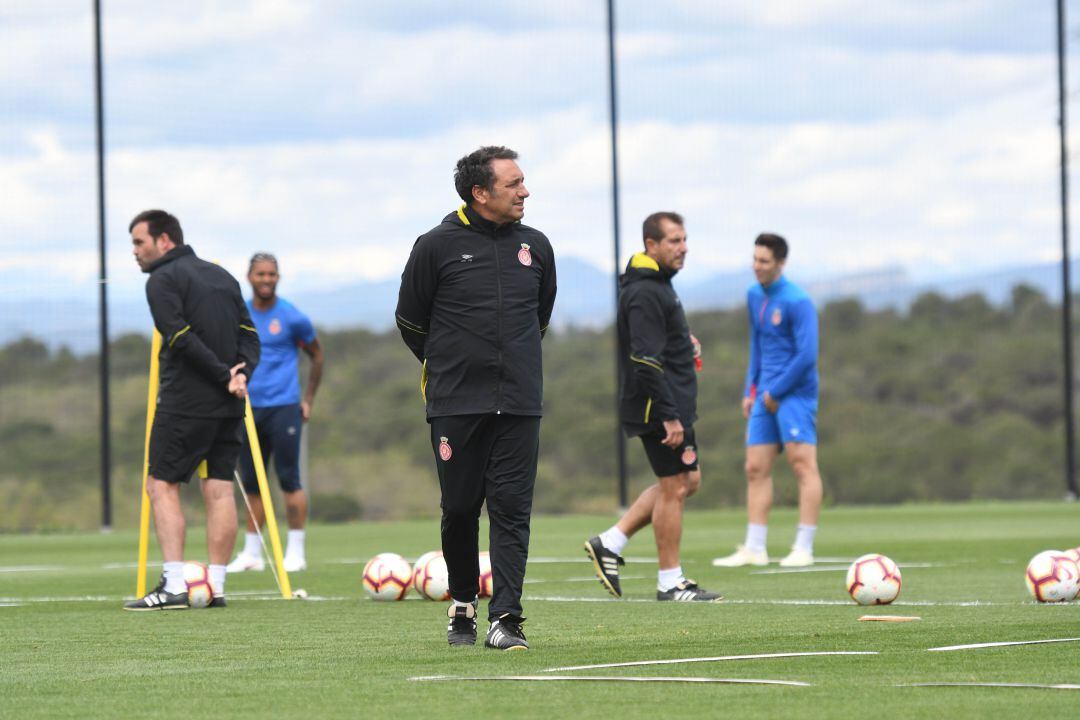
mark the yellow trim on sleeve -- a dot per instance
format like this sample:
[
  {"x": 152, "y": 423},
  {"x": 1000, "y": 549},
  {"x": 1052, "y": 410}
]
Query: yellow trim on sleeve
[
  {"x": 653, "y": 365},
  {"x": 408, "y": 325},
  {"x": 423, "y": 381},
  {"x": 641, "y": 260},
  {"x": 178, "y": 334},
  {"x": 248, "y": 328},
  {"x": 648, "y": 407},
  {"x": 461, "y": 215}
]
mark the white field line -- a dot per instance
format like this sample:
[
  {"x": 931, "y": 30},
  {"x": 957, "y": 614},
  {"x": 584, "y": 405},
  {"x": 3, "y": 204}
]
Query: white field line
[
  {"x": 1031, "y": 686},
  {"x": 561, "y": 678},
  {"x": 975, "y": 646},
  {"x": 783, "y": 601},
  {"x": 32, "y": 568},
  {"x": 839, "y": 568},
  {"x": 10, "y": 604},
  {"x": 720, "y": 658}
]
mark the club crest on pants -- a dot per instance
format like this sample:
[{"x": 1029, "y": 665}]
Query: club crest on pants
[
  {"x": 524, "y": 256},
  {"x": 689, "y": 457},
  {"x": 444, "y": 449}
]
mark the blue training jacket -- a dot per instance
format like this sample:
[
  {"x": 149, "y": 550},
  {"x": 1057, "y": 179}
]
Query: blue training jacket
[{"x": 783, "y": 341}]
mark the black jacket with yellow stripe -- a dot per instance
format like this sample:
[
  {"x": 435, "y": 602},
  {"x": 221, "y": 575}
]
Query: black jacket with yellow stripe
[
  {"x": 205, "y": 330},
  {"x": 657, "y": 378},
  {"x": 474, "y": 302}
]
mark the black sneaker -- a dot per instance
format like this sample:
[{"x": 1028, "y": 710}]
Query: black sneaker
[
  {"x": 158, "y": 599},
  {"x": 461, "y": 630},
  {"x": 606, "y": 564},
  {"x": 505, "y": 634},
  {"x": 688, "y": 591},
  {"x": 217, "y": 602}
]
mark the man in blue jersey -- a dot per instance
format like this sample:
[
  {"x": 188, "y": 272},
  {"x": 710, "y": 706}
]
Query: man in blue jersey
[
  {"x": 279, "y": 410},
  {"x": 780, "y": 404}
]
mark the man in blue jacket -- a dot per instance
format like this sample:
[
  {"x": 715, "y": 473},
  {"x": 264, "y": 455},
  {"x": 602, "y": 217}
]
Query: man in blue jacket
[{"x": 780, "y": 403}]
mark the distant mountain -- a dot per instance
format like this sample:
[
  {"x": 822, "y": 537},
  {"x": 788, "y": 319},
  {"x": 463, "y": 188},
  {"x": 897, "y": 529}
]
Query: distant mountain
[{"x": 586, "y": 298}]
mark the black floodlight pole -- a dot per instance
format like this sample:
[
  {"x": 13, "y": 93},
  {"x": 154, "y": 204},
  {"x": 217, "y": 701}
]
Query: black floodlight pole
[
  {"x": 103, "y": 293},
  {"x": 1066, "y": 289},
  {"x": 620, "y": 441}
]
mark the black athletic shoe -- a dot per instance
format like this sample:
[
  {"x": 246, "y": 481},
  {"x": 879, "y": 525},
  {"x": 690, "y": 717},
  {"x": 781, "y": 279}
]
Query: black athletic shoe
[
  {"x": 461, "y": 630},
  {"x": 505, "y": 634},
  {"x": 688, "y": 591},
  {"x": 606, "y": 564},
  {"x": 217, "y": 602},
  {"x": 158, "y": 599}
]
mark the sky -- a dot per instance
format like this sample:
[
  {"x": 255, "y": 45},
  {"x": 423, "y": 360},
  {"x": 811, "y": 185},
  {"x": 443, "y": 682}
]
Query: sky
[{"x": 918, "y": 134}]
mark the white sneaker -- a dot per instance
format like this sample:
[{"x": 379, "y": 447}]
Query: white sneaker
[
  {"x": 742, "y": 556},
  {"x": 244, "y": 563},
  {"x": 294, "y": 564},
  {"x": 798, "y": 558}
]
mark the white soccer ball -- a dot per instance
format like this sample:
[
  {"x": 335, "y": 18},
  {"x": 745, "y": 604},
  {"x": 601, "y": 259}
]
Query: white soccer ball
[
  {"x": 387, "y": 577},
  {"x": 197, "y": 578},
  {"x": 1074, "y": 554},
  {"x": 485, "y": 574},
  {"x": 873, "y": 579},
  {"x": 430, "y": 577},
  {"x": 1053, "y": 576}
]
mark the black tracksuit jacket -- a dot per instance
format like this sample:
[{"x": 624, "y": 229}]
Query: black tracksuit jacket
[
  {"x": 205, "y": 329},
  {"x": 657, "y": 379},
  {"x": 475, "y": 300}
]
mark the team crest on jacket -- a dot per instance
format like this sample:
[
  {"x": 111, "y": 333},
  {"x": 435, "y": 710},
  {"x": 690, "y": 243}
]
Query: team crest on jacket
[
  {"x": 524, "y": 256},
  {"x": 776, "y": 316},
  {"x": 444, "y": 449},
  {"x": 689, "y": 457},
  {"x": 275, "y": 327}
]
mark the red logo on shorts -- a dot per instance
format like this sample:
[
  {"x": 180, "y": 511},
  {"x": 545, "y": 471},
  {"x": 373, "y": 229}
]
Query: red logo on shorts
[
  {"x": 444, "y": 449},
  {"x": 689, "y": 457},
  {"x": 524, "y": 256}
]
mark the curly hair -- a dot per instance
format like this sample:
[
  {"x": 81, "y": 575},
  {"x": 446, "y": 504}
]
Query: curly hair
[{"x": 475, "y": 169}]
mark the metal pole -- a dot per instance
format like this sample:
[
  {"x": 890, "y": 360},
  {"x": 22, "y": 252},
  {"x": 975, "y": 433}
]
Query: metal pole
[
  {"x": 103, "y": 294},
  {"x": 620, "y": 440},
  {"x": 1066, "y": 289}
]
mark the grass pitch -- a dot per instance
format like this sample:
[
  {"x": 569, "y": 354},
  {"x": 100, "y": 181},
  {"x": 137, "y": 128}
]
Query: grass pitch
[{"x": 69, "y": 651}]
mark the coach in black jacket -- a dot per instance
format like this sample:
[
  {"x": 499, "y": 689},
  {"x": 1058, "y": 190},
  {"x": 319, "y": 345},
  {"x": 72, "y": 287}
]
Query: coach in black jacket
[
  {"x": 658, "y": 403},
  {"x": 476, "y": 297},
  {"x": 209, "y": 349}
]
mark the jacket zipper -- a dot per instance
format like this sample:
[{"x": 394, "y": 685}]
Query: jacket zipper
[{"x": 498, "y": 321}]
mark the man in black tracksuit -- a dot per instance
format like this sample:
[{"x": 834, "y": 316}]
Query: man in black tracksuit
[
  {"x": 658, "y": 403},
  {"x": 209, "y": 349},
  {"x": 476, "y": 297}
]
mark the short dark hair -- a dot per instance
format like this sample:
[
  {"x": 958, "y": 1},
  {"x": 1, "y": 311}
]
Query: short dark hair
[
  {"x": 262, "y": 256},
  {"x": 159, "y": 222},
  {"x": 475, "y": 169},
  {"x": 774, "y": 242},
  {"x": 651, "y": 227}
]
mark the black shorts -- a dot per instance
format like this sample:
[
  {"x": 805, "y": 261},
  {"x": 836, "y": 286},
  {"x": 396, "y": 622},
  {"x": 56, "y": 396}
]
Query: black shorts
[
  {"x": 665, "y": 461},
  {"x": 179, "y": 443},
  {"x": 279, "y": 429}
]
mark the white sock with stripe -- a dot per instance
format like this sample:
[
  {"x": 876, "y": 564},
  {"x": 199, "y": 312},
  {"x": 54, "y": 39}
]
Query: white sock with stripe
[
  {"x": 174, "y": 577},
  {"x": 667, "y": 579},
  {"x": 614, "y": 539}
]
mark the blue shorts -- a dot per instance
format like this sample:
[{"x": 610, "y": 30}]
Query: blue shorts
[
  {"x": 279, "y": 429},
  {"x": 795, "y": 421}
]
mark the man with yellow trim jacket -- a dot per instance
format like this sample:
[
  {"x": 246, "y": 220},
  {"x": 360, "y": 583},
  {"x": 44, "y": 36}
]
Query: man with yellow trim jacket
[
  {"x": 658, "y": 403},
  {"x": 209, "y": 349},
  {"x": 476, "y": 297}
]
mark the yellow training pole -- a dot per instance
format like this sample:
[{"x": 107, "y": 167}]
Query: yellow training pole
[
  {"x": 268, "y": 503},
  {"x": 144, "y": 510}
]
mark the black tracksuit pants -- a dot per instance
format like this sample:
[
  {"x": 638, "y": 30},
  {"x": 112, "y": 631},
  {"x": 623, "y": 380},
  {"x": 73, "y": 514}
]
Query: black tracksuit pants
[{"x": 490, "y": 457}]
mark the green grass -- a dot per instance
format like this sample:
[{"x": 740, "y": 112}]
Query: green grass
[{"x": 68, "y": 650}]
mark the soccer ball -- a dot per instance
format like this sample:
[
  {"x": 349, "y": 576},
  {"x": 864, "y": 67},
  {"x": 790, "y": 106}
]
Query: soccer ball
[
  {"x": 197, "y": 578},
  {"x": 387, "y": 577},
  {"x": 485, "y": 574},
  {"x": 873, "y": 580},
  {"x": 430, "y": 577},
  {"x": 1074, "y": 554},
  {"x": 1053, "y": 576}
]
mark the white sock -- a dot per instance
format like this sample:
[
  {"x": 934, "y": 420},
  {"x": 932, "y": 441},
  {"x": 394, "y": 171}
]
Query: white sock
[
  {"x": 458, "y": 603},
  {"x": 804, "y": 538},
  {"x": 756, "y": 536},
  {"x": 667, "y": 579},
  {"x": 217, "y": 580},
  {"x": 252, "y": 546},
  {"x": 174, "y": 577},
  {"x": 295, "y": 548},
  {"x": 614, "y": 539}
]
